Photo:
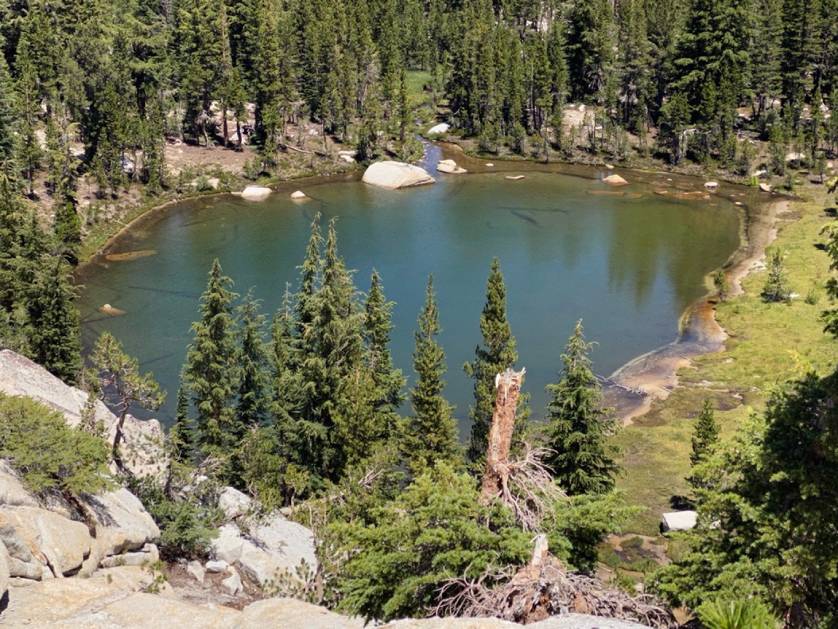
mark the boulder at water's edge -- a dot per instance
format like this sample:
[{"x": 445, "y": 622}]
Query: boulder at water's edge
[{"x": 395, "y": 175}]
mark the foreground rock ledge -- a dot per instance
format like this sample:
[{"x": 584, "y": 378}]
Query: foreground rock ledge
[
  {"x": 395, "y": 175},
  {"x": 116, "y": 598}
]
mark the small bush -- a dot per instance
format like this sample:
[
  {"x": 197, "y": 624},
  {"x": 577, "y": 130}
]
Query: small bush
[
  {"x": 739, "y": 614},
  {"x": 776, "y": 286},
  {"x": 47, "y": 453},
  {"x": 411, "y": 546},
  {"x": 186, "y": 526}
]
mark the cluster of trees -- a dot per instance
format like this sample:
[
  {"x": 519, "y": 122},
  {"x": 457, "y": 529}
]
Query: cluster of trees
[
  {"x": 37, "y": 315},
  {"x": 322, "y": 394},
  {"x": 314, "y": 413},
  {"x": 122, "y": 75}
]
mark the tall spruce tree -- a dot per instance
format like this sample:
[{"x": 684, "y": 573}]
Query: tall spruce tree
[
  {"x": 578, "y": 427},
  {"x": 181, "y": 438},
  {"x": 495, "y": 355},
  {"x": 54, "y": 333},
  {"x": 8, "y": 121},
  {"x": 387, "y": 379},
  {"x": 211, "y": 374},
  {"x": 252, "y": 362},
  {"x": 430, "y": 433}
]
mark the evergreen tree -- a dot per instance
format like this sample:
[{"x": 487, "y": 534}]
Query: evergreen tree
[
  {"x": 28, "y": 108},
  {"x": 8, "y": 121},
  {"x": 211, "y": 374},
  {"x": 122, "y": 387},
  {"x": 54, "y": 339},
  {"x": 776, "y": 286},
  {"x": 578, "y": 427},
  {"x": 252, "y": 361},
  {"x": 332, "y": 351},
  {"x": 705, "y": 434},
  {"x": 830, "y": 316},
  {"x": 495, "y": 356},
  {"x": 181, "y": 437},
  {"x": 589, "y": 46},
  {"x": 430, "y": 434},
  {"x": 387, "y": 380}
]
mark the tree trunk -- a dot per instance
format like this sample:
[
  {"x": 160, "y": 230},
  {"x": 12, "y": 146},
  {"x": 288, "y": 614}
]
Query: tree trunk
[
  {"x": 117, "y": 439},
  {"x": 508, "y": 387},
  {"x": 224, "y": 125}
]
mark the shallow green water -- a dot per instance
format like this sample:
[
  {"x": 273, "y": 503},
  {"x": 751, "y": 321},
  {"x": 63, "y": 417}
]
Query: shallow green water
[{"x": 628, "y": 265}]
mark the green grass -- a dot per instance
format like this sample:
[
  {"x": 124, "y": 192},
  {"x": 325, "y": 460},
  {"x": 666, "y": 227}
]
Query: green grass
[{"x": 768, "y": 345}]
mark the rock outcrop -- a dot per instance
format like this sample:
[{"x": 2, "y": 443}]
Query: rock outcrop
[
  {"x": 118, "y": 597},
  {"x": 44, "y": 540},
  {"x": 266, "y": 550},
  {"x": 395, "y": 175},
  {"x": 142, "y": 446}
]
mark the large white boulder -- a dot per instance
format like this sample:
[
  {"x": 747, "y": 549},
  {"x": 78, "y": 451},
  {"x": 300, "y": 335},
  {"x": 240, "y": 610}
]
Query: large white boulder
[
  {"x": 394, "y": 175},
  {"x": 678, "y": 520},
  {"x": 59, "y": 543},
  {"x": 439, "y": 129},
  {"x": 450, "y": 166},
  {"x": 234, "y": 503},
  {"x": 267, "y": 551},
  {"x": 255, "y": 193},
  {"x": 142, "y": 447},
  {"x": 123, "y": 524}
]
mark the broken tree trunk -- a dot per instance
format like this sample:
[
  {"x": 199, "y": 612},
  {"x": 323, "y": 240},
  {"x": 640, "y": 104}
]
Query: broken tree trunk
[{"x": 508, "y": 388}]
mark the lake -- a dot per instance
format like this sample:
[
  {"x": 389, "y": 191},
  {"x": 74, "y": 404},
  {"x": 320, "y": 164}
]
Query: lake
[{"x": 628, "y": 264}]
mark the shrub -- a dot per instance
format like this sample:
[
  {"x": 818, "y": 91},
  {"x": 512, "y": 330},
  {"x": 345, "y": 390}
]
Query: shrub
[
  {"x": 186, "y": 526},
  {"x": 435, "y": 531},
  {"x": 48, "y": 454},
  {"x": 740, "y": 614}
]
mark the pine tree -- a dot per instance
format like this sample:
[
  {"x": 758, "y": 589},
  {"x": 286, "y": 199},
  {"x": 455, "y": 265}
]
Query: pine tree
[
  {"x": 589, "y": 46},
  {"x": 578, "y": 427},
  {"x": 28, "y": 108},
  {"x": 495, "y": 356},
  {"x": 377, "y": 327},
  {"x": 431, "y": 433},
  {"x": 766, "y": 54},
  {"x": 211, "y": 374},
  {"x": 181, "y": 438},
  {"x": 635, "y": 64},
  {"x": 122, "y": 387},
  {"x": 54, "y": 338},
  {"x": 830, "y": 315},
  {"x": 8, "y": 121},
  {"x": 776, "y": 285},
  {"x": 252, "y": 361},
  {"x": 705, "y": 434}
]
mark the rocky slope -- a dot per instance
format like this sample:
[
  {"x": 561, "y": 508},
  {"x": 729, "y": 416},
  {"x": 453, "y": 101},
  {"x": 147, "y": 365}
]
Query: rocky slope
[{"x": 57, "y": 571}]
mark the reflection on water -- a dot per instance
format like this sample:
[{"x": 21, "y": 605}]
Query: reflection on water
[{"x": 628, "y": 265}]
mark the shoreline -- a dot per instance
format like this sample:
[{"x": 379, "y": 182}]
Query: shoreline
[
  {"x": 635, "y": 386},
  {"x": 650, "y": 377}
]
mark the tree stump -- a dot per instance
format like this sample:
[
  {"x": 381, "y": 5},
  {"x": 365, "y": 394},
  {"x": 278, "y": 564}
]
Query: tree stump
[{"x": 508, "y": 389}]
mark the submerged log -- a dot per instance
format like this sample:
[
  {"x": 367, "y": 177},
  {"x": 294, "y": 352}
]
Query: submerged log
[{"x": 495, "y": 477}]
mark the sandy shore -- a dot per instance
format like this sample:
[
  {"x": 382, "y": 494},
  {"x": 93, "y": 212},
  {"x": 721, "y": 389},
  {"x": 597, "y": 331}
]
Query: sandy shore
[{"x": 632, "y": 389}]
